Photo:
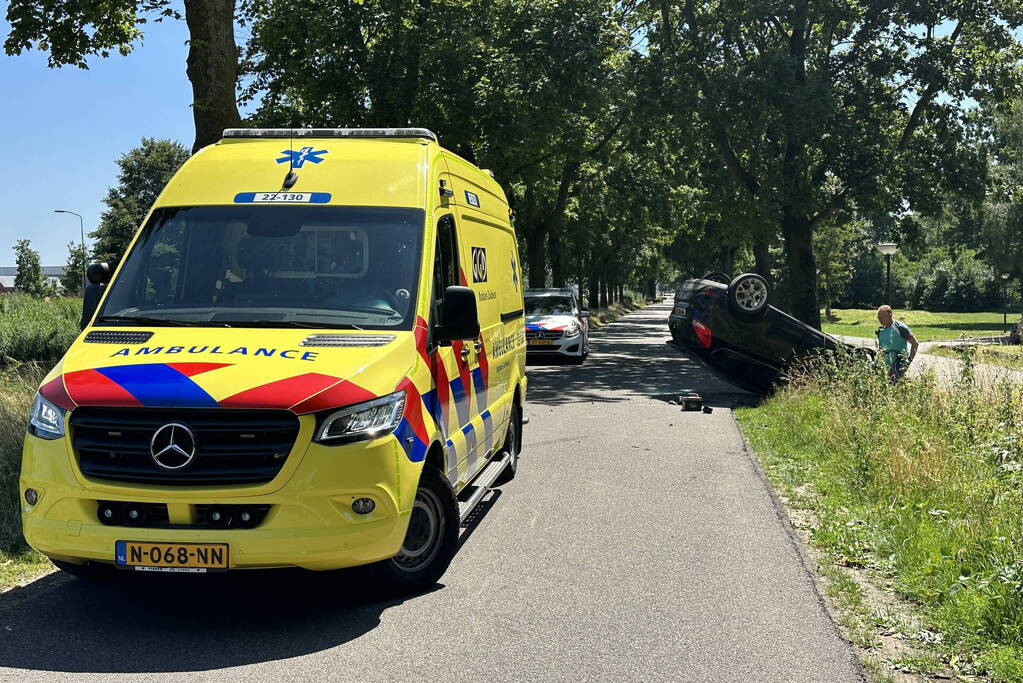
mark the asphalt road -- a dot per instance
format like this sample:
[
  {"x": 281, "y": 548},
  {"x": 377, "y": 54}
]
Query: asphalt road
[{"x": 638, "y": 542}]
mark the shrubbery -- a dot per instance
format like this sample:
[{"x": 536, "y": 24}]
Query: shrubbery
[
  {"x": 922, "y": 482},
  {"x": 37, "y": 329},
  {"x": 17, "y": 387}
]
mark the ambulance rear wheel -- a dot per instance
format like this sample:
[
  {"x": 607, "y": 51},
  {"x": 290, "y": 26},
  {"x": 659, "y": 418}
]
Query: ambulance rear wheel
[
  {"x": 431, "y": 539},
  {"x": 513, "y": 445}
]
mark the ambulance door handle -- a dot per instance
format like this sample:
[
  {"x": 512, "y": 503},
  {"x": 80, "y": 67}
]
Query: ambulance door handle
[
  {"x": 465, "y": 354},
  {"x": 477, "y": 345}
]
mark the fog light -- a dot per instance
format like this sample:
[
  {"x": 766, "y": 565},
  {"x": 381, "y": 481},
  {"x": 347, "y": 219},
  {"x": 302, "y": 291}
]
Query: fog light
[
  {"x": 363, "y": 506},
  {"x": 245, "y": 516},
  {"x": 31, "y": 496},
  {"x": 109, "y": 513},
  {"x": 217, "y": 516},
  {"x": 134, "y": 514}
]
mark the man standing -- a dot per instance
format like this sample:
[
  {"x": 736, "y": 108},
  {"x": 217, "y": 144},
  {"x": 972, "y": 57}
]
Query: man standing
[{"x": 894, "y": 339}]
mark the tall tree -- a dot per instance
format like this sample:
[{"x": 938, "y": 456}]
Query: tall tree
[
  {"x": 73, "y": 278},
  {"x": 73, "y": 30},
  {"x": 814, "y": 108},
  {"x": 144, "y": 172},
  {"x": 29, "y": 278}
]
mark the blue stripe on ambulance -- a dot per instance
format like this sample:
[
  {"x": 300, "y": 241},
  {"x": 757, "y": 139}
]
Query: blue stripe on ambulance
[{"x": 159, "y": 386}]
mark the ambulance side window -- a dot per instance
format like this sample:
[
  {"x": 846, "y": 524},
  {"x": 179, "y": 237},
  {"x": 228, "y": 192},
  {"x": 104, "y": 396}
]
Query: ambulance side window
[{"x": 445, "y": 266}]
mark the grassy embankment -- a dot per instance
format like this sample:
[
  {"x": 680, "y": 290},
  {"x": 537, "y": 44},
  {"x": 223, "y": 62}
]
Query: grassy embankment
[
  {"x": 916, "y": 487},
  {"x": 33, "y": 334},
  {"x": 926, "y": 326},
  {"x": 1004, "y": 356}
]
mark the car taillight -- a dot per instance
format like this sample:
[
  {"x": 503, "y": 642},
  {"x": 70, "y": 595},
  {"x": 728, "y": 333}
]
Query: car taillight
[{"x": 702, "y": 333}]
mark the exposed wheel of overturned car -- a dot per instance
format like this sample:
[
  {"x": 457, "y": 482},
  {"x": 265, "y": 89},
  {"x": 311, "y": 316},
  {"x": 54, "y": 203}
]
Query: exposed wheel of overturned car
[{"x": 747, "y": 296}]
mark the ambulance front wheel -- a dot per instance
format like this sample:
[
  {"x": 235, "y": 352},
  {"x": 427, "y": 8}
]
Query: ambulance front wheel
[{"x": 431, "y": 539}]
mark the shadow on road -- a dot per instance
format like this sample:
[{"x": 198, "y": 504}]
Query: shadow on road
[
  {"x": 170, "y": 623},
  {"x": 146, "y": 624},
  {"x": 628, "y": 359}
]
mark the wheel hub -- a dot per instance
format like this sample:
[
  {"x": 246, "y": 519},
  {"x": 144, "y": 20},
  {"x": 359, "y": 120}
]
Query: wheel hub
[{"x": 750, "y": 294}]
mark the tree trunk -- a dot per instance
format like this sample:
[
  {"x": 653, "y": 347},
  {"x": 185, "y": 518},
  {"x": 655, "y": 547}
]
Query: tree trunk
[
  {"x": 536, "y": 259},
  {"x": 802, "y": 267},
  {"x": 212, "y": 68},
  {"x": 762, "y": 259},
  {"x": 557, "y": 261},
  {"x": 827, "y": 296},
  {"x": 603, "y": 291},
  {"x": 593, "y": 296}
]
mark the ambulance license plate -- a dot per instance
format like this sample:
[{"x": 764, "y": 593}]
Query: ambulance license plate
[
  {"x": 196, "y": 558},
  {"x": 542, "y": 342}
]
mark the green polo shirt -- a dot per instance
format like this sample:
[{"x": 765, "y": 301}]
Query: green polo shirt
[{"x": 893, "y": 341}]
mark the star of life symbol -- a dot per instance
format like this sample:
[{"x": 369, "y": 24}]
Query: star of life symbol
[{"x": 299, "y": 157}]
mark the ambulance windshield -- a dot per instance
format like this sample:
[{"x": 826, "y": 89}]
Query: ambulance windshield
[{"x": 281, "y": 266}]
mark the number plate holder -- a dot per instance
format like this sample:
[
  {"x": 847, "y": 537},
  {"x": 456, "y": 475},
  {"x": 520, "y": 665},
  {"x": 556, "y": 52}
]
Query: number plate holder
[{"x": 193, "y": 558}]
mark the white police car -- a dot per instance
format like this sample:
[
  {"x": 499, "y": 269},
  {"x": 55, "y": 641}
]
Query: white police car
[{"x": 555, "y": 324}]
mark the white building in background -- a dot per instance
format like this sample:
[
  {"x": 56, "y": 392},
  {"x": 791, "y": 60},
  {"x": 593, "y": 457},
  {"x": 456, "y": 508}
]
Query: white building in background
[{"x": 51, "y": 274}]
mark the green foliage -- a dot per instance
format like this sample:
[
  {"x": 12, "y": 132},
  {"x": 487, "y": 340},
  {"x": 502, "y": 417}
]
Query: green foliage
[
  {"x": 36, "y": 330},
  {"x": 818, "y": 109},
  {"x": 74, "y": 270},
  {"x": 926, "y": 325},
  {"x": 29, "y": 278},
  {"x": 17, "y": 387},
  {"x": 920, "y": 482},
  {"x": 144, "y": 171}
]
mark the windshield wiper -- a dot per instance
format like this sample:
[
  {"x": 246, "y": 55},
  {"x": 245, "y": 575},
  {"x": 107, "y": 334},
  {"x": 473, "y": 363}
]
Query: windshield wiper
[
  {"x": 143, "y": 320},
  {"x": 285, "y": 323}
]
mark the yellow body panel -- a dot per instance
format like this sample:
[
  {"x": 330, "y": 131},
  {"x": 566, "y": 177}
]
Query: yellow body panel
[{"x": 456, "y": 411}]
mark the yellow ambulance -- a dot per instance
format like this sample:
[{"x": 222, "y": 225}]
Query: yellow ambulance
[{"x": 311, "y": 355}]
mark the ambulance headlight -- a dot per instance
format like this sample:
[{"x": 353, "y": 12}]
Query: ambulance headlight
[
  {"x": 572, "y": 331},
  {"x": 46, "y": 420},
  {"x": 369, "y": 420}
]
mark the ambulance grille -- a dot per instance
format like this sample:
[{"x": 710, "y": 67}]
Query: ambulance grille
[
  {"x": 347, "y": 340},
  {"x": 112, "y": 337},
  {"x": 232, "y": 446}
]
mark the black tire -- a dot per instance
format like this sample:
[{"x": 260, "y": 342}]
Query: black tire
[
  {"x": 430, "y": 542},
  {"x": 90, "y": 571},
  {"x": 748, "y": 296},
  {"x": 578, "y": 360},
  {"x": 513, "y": 445},
  {"x": 717, "y": 277}
]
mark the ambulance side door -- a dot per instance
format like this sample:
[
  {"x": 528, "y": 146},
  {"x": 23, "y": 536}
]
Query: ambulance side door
[{"x": 454, "y": 361}]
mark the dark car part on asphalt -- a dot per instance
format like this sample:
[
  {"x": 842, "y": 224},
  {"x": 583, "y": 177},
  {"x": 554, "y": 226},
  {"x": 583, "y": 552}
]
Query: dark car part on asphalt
[{"x": 739, "y": 335}]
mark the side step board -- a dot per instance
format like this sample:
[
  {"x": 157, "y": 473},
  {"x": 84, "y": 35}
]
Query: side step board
[{"x": 481, "y": 485}]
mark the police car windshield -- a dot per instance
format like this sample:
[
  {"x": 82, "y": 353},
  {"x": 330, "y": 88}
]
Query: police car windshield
[
  {"x": 286, "y": 266},
  {"x": 549, "y": 305}
]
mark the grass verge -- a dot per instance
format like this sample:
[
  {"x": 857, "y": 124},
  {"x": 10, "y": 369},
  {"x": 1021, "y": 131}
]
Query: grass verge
[
  {"x": 993, "y": 354},
  {"x": 917, "y": 488},
  {"x": 927, "y": 326},
  {"x": 36, "y": 329},
  {"x": 17, "y": 387}
]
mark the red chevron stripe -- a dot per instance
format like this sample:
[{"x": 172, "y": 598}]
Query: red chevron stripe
[
  {"x": 55, "y": 392},
  {"x": 343, "y": 393},
  {"x": 284, "y": 393},
  {"x": 414, "y": 409},
  {"x": 91, "y": 387},
  {"x": 193, "y": 369}
]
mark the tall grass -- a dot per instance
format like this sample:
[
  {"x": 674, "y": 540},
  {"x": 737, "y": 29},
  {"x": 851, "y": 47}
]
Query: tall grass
[
  {"x": 37, "y": 330},
  {"x": 920, "y": 481},
  {"x": 17, "y": 387}
]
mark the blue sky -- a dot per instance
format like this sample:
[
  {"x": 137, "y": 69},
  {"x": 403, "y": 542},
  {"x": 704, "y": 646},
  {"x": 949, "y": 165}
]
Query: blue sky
[{"x": 65, "y": 127}]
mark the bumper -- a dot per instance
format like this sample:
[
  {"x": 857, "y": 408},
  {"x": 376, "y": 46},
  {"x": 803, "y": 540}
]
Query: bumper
[
  {"x": 310, "y": 523},
  {"x": 571, "y": 347}
]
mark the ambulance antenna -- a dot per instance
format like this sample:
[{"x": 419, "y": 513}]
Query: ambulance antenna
[{"x": 292, "y": 177}]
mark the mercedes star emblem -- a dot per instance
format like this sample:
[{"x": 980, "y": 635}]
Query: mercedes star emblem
[{"x": 173, "y": 446}]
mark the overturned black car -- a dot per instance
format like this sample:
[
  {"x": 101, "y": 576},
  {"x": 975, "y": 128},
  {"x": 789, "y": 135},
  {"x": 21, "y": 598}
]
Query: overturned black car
[{"x": 738, "y": 334}]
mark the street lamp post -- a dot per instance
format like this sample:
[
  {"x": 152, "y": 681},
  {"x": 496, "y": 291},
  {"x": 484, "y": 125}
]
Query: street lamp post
[
  {"x": 81, "y": 227},
  {"x": 888, "y": 249}
]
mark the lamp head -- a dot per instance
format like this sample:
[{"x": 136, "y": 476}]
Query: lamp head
[{"x": 888, "y": 248}]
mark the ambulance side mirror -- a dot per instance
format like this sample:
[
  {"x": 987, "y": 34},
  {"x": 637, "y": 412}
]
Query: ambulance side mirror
[
  {"x": 460, "y": 319},
  {"x": 98, "y": 274}
]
